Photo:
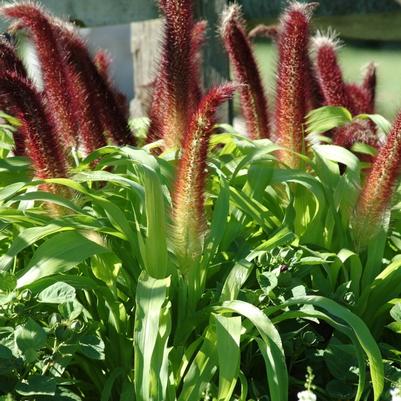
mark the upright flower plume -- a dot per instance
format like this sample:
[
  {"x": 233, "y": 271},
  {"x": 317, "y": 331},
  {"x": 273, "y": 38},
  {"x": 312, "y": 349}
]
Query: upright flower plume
[
  {"x": 369, "y": 84},
  {"x": 94, "y": 101},
  {"x": 292, "y": 70},
  {"x": 379, "y": 186},
  {"x": 10, "y": 63},
  {"x": 189, "y": 221},
  {"x": 169, "y": 112},
  {"x": 329, "y": 72},
  {"x": 9, "y": 60},
  {"x": 39, "y": 24},
  {"x": 19, "y": 97},
  {"x": 252, "y": 95},
  {"x": 362, "y": 131},
  {"x": 198, "y": 39}
]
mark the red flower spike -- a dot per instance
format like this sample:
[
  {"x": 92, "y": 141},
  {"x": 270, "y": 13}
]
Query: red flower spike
[
  {"x": 189, "y": 222},
  {"x": 360, "y": 99},
  {"x": 10, "y": 63},
  {"x": 362, "y": 131},
  {"x": 379, "y": 186},
  {"x": 39, "y": 24},
  {"x": 170, "y": 108},
  {"x": 369, "y": 84},
  {"x": 291, "y": 90},
  {"x": 102, "y": 62},
  {"x": 9, "y": 60},
  {"x": 329, "y": 72},
  {"x": 22, "y": 101},
  {"x": 94, "y": 102},
  {"x": 198, "y": 39},
  {"x": 252, "y": 95},
  {"x": 313, "y": 94}
]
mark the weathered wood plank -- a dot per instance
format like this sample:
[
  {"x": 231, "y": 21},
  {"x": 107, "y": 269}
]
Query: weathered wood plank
[{"x": 145, "y": 47}]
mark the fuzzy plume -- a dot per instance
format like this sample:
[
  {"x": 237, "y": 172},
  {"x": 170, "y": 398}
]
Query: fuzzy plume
[
  {"x": 9, "y": 60},
  {"x": 379, "y": 186},
  {"x": 369, "y": 84},
  {"x": 292, "y": 70},
  {"x": 198, "y": 39},
  {"x": 252, "y": 95},
  {"x": 10, "y": 63},
  {"x": 357, "y": 131},
  {"x": 170, "y": 108},
  {"x": 34, "y": 19},
  {"x": 21, "y": 100},
  {"x": 329, "y": 72},
  {"x": 189, "y": 222},
  {"x": 94, "y": 102}
]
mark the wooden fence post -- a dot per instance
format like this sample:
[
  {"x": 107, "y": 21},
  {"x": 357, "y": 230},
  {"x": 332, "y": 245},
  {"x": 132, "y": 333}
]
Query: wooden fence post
[{"x": 145, "y": 47}]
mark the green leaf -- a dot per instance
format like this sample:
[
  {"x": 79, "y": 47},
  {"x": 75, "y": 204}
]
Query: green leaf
[
  {"x": 37, "y": 385},
  {"x": 395, "y": 312},
  {"x": 360, "y": 330},
  {"x": 59, "y": 254},
  {"x": 235, "y": 280},
  {"x": 277, "y": 376},
  {"x": 8, "y": 281},
  {"x": 57, "y": 294},
  {"x": 201, "y": 370},
  {"x": 228, "y": 333},
  {"x": 326, "y": 118},
  {"x": 379, "y": 120},
  {"x": 30, "y": 337},
  {"x": 150, "y": 296},
  {"x": 27, "y": 238},
  {"x": 155, "y": 257},
  {"x": 92, "y": 347},
  {"x": 109, "y": 383}
]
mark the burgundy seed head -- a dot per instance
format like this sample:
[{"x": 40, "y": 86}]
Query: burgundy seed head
[
  {"x": 189, "y": 222},
  {"x": 369, "y": 84},
  {"x": 379, "y": 186},
  {"x": 39, "y": 24},
  {"x": 197, "y": 41},
  {"x": 22, "y": 101},
  {"x": 94, "y": 101},
  {"x": 9, "y": 60},
  {"x": 292, "y": 70},
  {"x": 170, "y": 109},
  {"x": 252, "y": 95},
  {"x": 10, "y": 63},
  {"x": 329, "y": 72}
]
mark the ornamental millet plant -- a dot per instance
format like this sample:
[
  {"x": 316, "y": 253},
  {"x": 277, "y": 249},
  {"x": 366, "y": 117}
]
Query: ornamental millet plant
[
  {"x": 291, "y": 90},
  {"x": 79, "y": 99},
  {"x": 174, "y": 87},
  {"x": 189, "y": 221},
  {"x": 38, "y": 23},
  {"x": 379, "y": 186},
  {"x": 21, "y": 99},
  {"x": 252, "y": 95}
]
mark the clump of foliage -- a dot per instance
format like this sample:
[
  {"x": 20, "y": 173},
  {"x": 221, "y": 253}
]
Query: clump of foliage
[{"x": 206, "y": 264}]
